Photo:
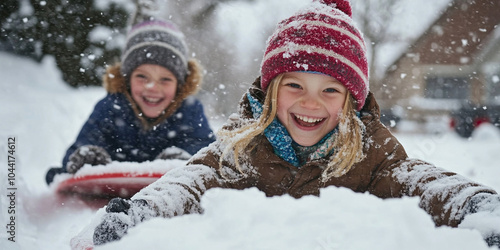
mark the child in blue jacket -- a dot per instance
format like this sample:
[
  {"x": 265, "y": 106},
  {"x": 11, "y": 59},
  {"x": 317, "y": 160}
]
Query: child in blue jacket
[{"x": 149, "y": 112}]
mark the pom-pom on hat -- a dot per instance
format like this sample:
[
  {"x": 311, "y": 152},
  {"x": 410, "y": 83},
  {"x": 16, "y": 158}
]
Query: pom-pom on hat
[
  {"x": 159, "y": 42},
  {"x": 319, "y": 38}
]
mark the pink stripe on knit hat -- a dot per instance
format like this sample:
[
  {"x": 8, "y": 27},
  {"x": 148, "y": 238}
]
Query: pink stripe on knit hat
[{"x": 346, "y": 73}]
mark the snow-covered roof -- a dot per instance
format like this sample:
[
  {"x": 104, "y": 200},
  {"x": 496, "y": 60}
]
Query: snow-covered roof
[{"x": 414, "y": 19}]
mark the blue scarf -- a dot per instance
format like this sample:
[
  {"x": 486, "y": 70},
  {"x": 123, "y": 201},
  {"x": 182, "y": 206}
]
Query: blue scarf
[{"x": 283, "y": 144}]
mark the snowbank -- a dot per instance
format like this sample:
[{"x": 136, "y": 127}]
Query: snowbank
[{"x": 338, "y": 219}]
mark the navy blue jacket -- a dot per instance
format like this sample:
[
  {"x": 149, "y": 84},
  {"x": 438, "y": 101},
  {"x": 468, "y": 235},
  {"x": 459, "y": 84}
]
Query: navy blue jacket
[{"x": 114, "y": 126}]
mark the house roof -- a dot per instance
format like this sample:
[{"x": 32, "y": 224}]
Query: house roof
[
  {"x": 458, "y": 35},
  {"x": 412, "y": 19}
]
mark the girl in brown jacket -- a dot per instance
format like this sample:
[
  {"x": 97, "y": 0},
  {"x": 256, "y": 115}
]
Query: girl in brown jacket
[{"x": 307, "y": 123}]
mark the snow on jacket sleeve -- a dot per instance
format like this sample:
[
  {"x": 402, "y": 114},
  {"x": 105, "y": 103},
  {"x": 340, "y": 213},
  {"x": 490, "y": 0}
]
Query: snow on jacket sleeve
[
  {"x": 179, "y": 191},
  {"x": 443, "y": 194}
]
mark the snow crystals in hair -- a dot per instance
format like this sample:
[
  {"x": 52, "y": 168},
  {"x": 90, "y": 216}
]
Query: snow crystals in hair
[{"x": 342, "y": 5}]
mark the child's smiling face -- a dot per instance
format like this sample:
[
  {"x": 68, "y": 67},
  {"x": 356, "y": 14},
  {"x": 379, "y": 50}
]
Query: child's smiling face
[
  {"x": 153, "y": 88},
  {"x": 309, "y": 105}
]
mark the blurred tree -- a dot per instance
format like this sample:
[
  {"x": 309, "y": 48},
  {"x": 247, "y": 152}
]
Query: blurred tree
[
  {"x": 85, "y": 36},
  {"x": 7, "y": 8},
  {"x": 9, "y": 22},
  {"x": 79, "y": 34},
  {"x": 197, "y": 18},
  {"x": 373, "y": 18}
]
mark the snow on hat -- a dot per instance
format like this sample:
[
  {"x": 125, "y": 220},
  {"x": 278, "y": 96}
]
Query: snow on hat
[
  {"x": 157, "y": 42},
  {"x": 319, "y": 38}
]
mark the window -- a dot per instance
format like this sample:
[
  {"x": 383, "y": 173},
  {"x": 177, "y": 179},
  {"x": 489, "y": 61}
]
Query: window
[
  {"x": 447, "y": 88},
  {"x": 494, "y": 88}
]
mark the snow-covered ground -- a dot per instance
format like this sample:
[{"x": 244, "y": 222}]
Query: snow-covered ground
[{"x": 44, "y": 116}]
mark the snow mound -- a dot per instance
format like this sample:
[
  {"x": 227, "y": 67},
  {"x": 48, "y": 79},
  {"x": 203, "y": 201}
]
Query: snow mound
[
  {"x": 486, "y": 132},
  {"x": 248, "y": 220}
]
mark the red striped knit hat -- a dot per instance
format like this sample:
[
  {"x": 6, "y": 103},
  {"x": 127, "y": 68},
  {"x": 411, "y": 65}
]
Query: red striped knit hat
[{"x": 320, "y": 38}]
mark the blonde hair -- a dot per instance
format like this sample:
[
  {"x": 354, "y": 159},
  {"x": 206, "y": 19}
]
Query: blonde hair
[
  {"x": 348, "y": 143},
  {"x": 345, "y": 156}
]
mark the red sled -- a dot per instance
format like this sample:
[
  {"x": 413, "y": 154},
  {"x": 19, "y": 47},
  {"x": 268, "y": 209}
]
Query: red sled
[{"x": 96, "y": 185}]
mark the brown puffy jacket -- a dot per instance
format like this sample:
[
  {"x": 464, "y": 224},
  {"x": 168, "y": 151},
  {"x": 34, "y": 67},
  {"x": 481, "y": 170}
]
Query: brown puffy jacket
[{"x": 385, "y": 172}]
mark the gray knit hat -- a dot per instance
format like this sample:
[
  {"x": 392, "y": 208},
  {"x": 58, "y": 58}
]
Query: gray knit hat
[{"x": 156, "y": 42}]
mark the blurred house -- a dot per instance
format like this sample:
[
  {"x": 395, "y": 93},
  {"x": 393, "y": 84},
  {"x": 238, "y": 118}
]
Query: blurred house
[{"x": 456, "y": 60}]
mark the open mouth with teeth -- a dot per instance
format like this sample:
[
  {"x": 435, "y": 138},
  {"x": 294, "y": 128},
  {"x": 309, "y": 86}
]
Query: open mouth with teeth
[
  {"x": 152, "y": 100},
  {"x": 306, "y": 121}
]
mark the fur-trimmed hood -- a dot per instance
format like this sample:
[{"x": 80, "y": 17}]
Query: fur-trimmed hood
[{"x": 115, "y": 82}]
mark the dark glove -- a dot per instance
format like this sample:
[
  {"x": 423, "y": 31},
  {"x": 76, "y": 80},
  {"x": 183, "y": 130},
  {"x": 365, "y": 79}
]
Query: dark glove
[
  {"x": 112, "y": 227},
  {"x": 484, "y": 207},
  {"x": 121, "y": 214},
  {"x": 119, "y": 205},
  {"x": 493, "y": 240},
  {"x": 173, "y": 153},
  {"x": 89, "y": 154},
  {"x": 49, "y": 176},
  {"x": 483, "y": 202}
]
